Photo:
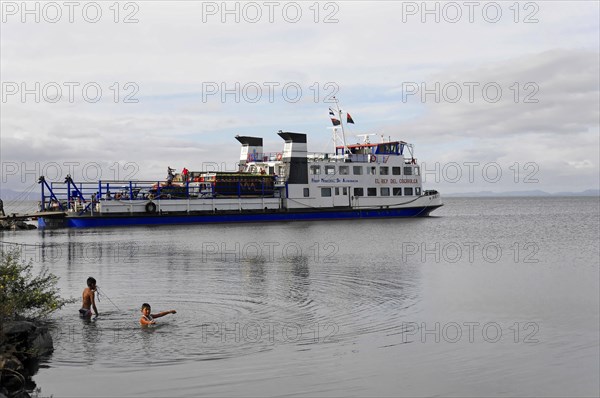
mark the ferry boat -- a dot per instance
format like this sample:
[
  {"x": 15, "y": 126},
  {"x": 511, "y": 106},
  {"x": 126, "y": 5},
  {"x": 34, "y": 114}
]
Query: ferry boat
[{"x": 355, "y": 181}]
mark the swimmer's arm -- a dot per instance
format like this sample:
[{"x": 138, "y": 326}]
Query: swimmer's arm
[
  {"x": 144, "y": 321},
  {"x": 163, "y": 313}
]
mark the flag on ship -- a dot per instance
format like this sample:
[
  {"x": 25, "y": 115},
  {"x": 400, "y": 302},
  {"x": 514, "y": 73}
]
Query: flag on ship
[
  {"x": 349, "y": 118},
  {"x": 334, "y": 118}
]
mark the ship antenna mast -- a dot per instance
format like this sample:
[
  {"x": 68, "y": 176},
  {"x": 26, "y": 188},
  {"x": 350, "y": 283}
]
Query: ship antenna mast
[{"x": 339, "y": 112}]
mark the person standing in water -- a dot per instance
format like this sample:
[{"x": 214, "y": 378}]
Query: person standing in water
[{"x": 89, "y": 299}]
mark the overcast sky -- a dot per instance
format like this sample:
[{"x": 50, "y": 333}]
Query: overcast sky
[{"x": 495, "y": 96}]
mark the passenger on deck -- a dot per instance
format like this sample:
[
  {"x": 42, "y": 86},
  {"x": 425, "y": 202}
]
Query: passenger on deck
[{"x": 170, "y": 175}]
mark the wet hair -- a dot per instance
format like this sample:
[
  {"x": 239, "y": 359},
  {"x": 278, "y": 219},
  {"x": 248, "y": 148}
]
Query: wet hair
[
  {"x": 91, "y": 281},
  {"x": 145, "y": 305}
]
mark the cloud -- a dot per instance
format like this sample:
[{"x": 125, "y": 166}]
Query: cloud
[{"x": 366, "y": 59}]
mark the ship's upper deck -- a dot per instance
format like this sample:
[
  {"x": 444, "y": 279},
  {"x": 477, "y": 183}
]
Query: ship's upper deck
[
  {"x": 382, "y": 148},
  {"x": 356, "y": 153}
]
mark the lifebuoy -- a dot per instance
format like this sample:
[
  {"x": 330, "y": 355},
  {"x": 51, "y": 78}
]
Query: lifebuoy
[
  {"x": 150, "y": 207},
  {"x": 279, "y": 156}
]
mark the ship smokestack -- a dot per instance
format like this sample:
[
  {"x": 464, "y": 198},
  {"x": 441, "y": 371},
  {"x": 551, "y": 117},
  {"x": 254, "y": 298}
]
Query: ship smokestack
[
  {"x": 252, "y": 149},
  {"x": 294, "y": 156}
]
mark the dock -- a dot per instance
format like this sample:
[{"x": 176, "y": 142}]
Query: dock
[{"x": 29, "y": 216}]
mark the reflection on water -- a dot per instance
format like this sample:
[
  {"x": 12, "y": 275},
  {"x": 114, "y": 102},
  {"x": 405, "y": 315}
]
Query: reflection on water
[{"x": 230, "y": 302}]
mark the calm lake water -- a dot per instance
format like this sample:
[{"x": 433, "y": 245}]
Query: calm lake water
[{"x": 488, "y": 297}]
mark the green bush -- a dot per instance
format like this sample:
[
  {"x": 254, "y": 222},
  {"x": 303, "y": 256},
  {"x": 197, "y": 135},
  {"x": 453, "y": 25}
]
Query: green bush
[{"x": 25, "y": 295}]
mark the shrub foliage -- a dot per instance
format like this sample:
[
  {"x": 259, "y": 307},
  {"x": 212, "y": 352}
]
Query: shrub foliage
[{"x": 24, "y": 295}]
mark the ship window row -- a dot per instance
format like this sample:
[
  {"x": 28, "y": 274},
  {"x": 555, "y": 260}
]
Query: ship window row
[
  {"x": 368, "y": 170},
  {"x": 386, "y": 191},
  {"x": 326, "y": 192}
]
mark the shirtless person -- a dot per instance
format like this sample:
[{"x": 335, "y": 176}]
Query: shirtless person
[{"x": 89, "y": 300}]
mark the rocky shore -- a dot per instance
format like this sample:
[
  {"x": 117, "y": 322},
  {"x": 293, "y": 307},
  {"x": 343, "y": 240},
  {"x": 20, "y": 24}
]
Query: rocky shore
[
  {"x": 22, "y": 345},
  {"x": 12, "y": 225}
]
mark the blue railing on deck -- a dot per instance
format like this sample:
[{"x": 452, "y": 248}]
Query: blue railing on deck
[{"x": 66, "y": 195}]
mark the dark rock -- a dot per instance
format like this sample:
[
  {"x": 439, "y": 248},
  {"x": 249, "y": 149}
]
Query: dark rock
[
  {"x": 11, "y": 376},
  {"x": 14, "y": 225},
  {"x": 21, "y": 394},
  {"x": 20, "y": 224},
  {"x": 36, "y": 340},
  {"x": 18, "y": 333},
  {"x": 16, "y": 328},
  {"x": 22, "y": 343},
  {"x": 41, "y": 344},
  {"x": 8, "y": 361}
]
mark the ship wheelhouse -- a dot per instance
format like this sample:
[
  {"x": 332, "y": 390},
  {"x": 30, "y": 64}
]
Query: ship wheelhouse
[{"x": 384, "y": 148}]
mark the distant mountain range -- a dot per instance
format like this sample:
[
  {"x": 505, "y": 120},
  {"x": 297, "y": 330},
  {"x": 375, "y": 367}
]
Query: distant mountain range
[
  {"x": 588, "y": 192},
  {"x": 8, "y": 195}
]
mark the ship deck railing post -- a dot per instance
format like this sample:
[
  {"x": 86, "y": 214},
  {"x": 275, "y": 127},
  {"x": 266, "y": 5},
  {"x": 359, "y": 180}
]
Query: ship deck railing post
[
  {"x": 239, "y": 195},
  {"x": 78, "y": 192},
  {"x": 262, "y": 196},
  {"x": 81, "y": 191},
  {"x": 89, "y": 206},
  {"x": 43, "y": 204},
  {"x": 52, "y": 195},
  {"x": 187, "y": 191},
  {"x": 68, "y": 181}
]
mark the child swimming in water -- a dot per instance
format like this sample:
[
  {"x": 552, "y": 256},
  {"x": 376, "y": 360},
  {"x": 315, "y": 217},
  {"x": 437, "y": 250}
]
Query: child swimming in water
[{"x": 148, "y": 319}]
